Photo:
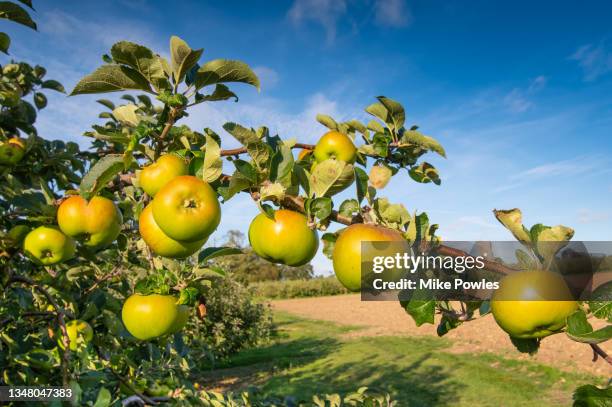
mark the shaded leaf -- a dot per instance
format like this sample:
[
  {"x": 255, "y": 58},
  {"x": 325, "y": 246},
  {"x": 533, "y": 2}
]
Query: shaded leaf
[
  {"x": 111, "y": 78},
  {"x": 213, "y": 165},
  {"x": 415, "y": 138},
  {"x": 592, "y": 396},
  {"x": 212, "y": 252},
  {"x": 16, "y": 13},
  {"x": 223, "y": 71},
  {"x": 143, "y": 60},
  {"x": 5, "y": 42},
  {"x": 100, "y": 174},
  {"x": 54, "y": 85},
  {"x": 395, "y": 110},
  {"x": 182, "y": 57}
]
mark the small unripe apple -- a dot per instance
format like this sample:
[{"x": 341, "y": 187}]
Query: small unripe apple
[
  {"x": 286, "y": 239},
  {"x": 167, "y": 167},
  {"x": 78, "y": 332},
  {"x": 334, "y": 144},
  {"x": 532, "y": 304},
  {"x": 12, "y": 151},
  {"x": 47, "y": 245},
  {"x": 380, "y": 176}
]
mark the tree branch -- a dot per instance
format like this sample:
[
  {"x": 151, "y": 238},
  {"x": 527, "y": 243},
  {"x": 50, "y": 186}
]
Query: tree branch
[
  {"x": 243, "y": 150},
  {"x": 597, "y": 351}
]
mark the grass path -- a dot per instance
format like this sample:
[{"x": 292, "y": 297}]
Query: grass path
[
  {"x": 481, "y": 335},
  {"x": 313, "y": 356}
]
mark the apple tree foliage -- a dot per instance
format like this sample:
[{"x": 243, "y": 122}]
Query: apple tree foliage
[{"x": 37, "y": 301}]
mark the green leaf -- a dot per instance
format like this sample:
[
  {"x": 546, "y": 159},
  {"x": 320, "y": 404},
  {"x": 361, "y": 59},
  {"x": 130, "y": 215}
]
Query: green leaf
[
  {"x": 247, "y": 170},
  {"x": 213, "y": 165},
  {"x": 221, "y": 92},
  {"x": 579, "y": 329},
  {"x": 425, "y": 173},
  {"x": 529, "y": 345},
  {"x": 143, "y": 60},
  {"x": 100, "y": 174},
  {"x": 111, "y": 78},
  {"x": 378, "y": 110},
  {"x": 549, "y": 240},
  {"x": 188, "y": 296},
  {"x": 54, "y": 85},
  {"x": 212, "y": 252},
  {"x": 5, "y": 42},
  {"x": 126, "y": 115},
  {"x": 327, "y": 121},
  {"x": 320, "y": 208},
  {"x": 27, "y": 3},
  {"x": 395, "y": 111},
  {"x": 242, "y": 134},
  {"x": 328, "y": 174},
  {"x": 40, "y": 100},
  {"x": 223, "y": 71},
  {"x": 182, "y": 58},
  {"x": 592, "y": 396},
  {"x": 415, "y": 138},
  {"x": 349, "y": 208},
  {"x": 329, "y": 240},
  {"x": 600, "y": 303},
  {"x": 392, "y": 214},
  {"x": 274, "y": 190},
  {"x": 259, "y": 152},
  {"x": 16, "y": 13},
  {"x": 447, "y": 324},
  {"x": 421, "y": 307},
  {"x": 361, "y": 178},
  {"x": 282, "y": 165},
  {"x": 107, "y": 103},
  {"x": 512, "y": 219},
  {"x": 104, "y": 398}
]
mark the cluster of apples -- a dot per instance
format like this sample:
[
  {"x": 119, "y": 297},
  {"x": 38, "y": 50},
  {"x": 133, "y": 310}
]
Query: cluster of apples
[
  {"x": 11, "y": 151},
  {"x": 184, "y": 211},
  {"x": 94, "y": 224}
]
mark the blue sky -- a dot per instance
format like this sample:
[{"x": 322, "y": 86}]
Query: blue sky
[{"x": 519, "y": 93}]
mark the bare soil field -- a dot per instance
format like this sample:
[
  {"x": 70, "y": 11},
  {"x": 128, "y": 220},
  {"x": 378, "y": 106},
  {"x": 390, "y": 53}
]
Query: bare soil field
[{"x": 481, "y": 335}]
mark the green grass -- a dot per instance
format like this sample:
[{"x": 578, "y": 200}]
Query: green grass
[
  {"x": 311, "y": 357},
  {"x": 316, "y": 287}
]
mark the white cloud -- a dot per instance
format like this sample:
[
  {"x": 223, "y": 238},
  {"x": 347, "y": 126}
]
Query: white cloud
[
  {"x": 267, "y": 76},
  {"x": 392, "y": 13},
  {"x": 324, "y": 12},
  {"x": 590, "y": 216},
  {"x": 595, "y": 60},
  {"x": 566, "y": 167}
]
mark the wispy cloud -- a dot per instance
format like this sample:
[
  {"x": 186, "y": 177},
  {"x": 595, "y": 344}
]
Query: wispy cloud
[
  {"x": 574, "y": 166},
  {"x": 323, "y": 12},
  {"x": 267, "y": 76},
  {"x": 591, "y": 216},
  {"x": 518, "y": 100},
  {"x": 392, "y": 13},
  {"x": 594, "y": 59}
]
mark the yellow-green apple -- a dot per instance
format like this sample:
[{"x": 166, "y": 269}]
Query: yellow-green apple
[
  {"x": 167, "y": 167},
  {"x": 160, "y": 243},
  {"x": 150, "y": 316},
  {"x": 96, "y": 224},
  {"x": 532, "y": 304},
  {"x": 47, "y": 245},
  {"x": 347, "y": 256},
  {"x": 187, "y": 209},
  {"x": 334, "y": 144},
  {"x": 286, "y": 239}
]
